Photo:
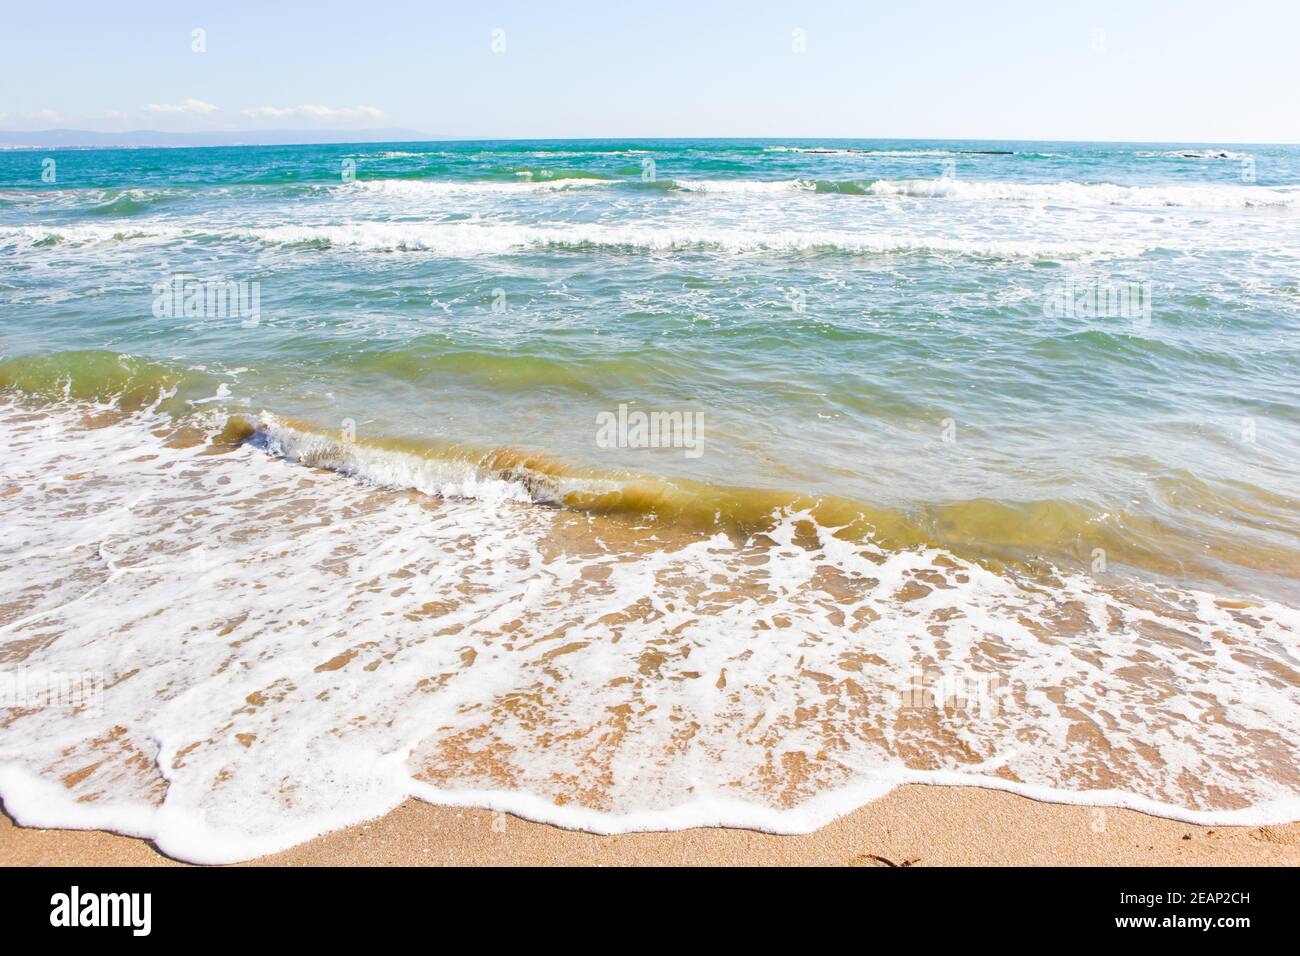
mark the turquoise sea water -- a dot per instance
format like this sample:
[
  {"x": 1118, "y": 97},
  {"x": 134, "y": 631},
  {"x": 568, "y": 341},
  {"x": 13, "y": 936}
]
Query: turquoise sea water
[
  {"x": 974, "y": 463},
  {"x": 871, "y": 320}
]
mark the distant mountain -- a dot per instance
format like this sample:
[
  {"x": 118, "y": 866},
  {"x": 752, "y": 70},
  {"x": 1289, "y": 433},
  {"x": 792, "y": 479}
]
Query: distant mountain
[{"x": 71, "y": 138}]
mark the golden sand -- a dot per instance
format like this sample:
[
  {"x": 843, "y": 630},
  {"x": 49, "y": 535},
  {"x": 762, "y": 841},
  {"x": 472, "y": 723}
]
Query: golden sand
[{"x": 912, "y": 826}]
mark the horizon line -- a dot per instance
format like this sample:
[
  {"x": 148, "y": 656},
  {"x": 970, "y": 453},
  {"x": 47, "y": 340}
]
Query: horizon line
[{"x": 423, "y": 138}]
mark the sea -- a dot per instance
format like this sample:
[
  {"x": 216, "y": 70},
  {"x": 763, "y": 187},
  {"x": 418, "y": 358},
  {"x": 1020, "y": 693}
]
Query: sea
[{"x": 645, "y": 484}]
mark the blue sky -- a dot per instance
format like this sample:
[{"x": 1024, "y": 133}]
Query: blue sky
[{"x": 1192, "y": 71}]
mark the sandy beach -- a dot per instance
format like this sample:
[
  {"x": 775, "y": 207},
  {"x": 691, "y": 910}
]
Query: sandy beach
[
  {"x": 912, "y": 826},
  {"x": 722, "y": 435}
]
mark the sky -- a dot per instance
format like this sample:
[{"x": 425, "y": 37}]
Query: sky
[{"x": 1143, "y": 70}]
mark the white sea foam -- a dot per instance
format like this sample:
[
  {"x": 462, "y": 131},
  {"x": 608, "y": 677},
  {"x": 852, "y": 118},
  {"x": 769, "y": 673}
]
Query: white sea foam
[
  {"x": 1092, "y": 194},
  {"x": 1225, "y": 196},
  {"x": 287, "y": 650},
  {"x": 18, "y": 236},
  {"x": 498, "y": 238},
  {"x": 431, "y": 187},
  {"x": 387, "y": 469},
  {"x": 1060, "y": 193},
  {"x": 903, "y": 153},
  {"x": 745, "y": 186},
  {"x": 1194, "y": 154},
  {"x": 847, "y": 151}
]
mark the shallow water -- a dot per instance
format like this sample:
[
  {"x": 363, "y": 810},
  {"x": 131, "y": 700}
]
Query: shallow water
[{"x": 936, "y": 516}]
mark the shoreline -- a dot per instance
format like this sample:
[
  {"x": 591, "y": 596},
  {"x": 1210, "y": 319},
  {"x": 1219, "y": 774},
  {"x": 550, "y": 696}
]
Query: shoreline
[
  {"x": 914, "y": 825},
  {"x": 537, "y": 653}
]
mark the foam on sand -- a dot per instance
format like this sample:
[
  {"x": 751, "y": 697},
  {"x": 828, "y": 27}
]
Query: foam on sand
[{"x": 285, "y": 650}]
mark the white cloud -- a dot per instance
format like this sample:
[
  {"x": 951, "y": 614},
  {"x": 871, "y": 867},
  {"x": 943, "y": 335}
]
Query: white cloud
[
  {"x": 189, "y": 106},
  {"x": 326, "y": 114},
  {"x": 42, "y": 116}
]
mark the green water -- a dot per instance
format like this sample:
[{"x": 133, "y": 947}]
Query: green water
[{"x": 876, "y": 323}]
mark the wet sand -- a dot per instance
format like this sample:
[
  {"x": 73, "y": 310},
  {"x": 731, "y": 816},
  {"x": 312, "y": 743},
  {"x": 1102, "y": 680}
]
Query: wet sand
[
  {"x": 912, "y": 826},
  {"x": 385, "y": 600}
]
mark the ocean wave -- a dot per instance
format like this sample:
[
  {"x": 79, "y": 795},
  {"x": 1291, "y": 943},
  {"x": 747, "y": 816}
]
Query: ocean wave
[
  {"x": 474, "y": 238},
  {"x": 999, "y": 531},
  {"x": 553, "y": 154},
  {"x": 552, "y": 174},
  {"x": 1091, "y": 194},
  {"x": 1057, "y": 193},
  {"x": 129, "y": 202},
  {"x": 1194, "y": 154},
  {"x": 899, "y": 153},
  {"x": 467, "y": 239},
  {"x": 743, "y": 186},
  {"x": 108, "y": 380},
  {"x": 133, "y": 202},
  {"x": 49, "y": 236},
  {"x": 415, "y": 188},
  {"x": 400, "y": 154},
  {"x": 97, "y": 201},
  {"x": 307, "y": 651}
]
